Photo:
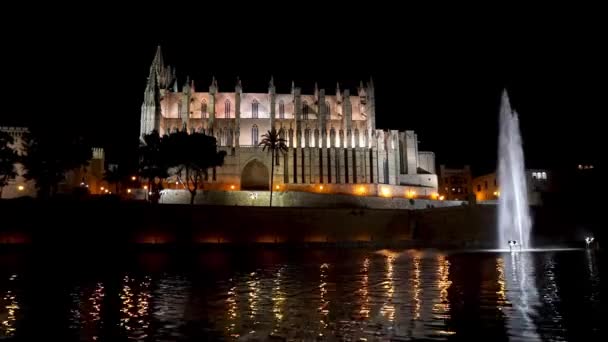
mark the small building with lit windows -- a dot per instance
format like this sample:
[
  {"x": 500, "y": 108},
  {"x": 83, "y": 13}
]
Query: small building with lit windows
[
  {"x": 333, "y": 142},
  {"x": 539, "y": 181},
  {"x": 455, "y": 183}
]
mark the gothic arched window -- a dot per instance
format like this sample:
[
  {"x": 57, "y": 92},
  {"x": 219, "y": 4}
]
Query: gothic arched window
[
  {"x": 254, "y": 109},
  {"x": 281, "y": 110},
  {"x": 227, "y": 109},
  {"x": 204, "y": 109},
  {"x": 221, "y": 138},
  {"x": 254, "y": 135},
  {"x": 307, "y": 142},
  {"x": 305, "y": 110},
  {"x": 327, "y": 109}
]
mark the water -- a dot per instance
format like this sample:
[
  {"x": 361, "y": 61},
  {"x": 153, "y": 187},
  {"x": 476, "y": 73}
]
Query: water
[
  {"x": 513, "y": 212},
  {"x": 302, "y": 295}
]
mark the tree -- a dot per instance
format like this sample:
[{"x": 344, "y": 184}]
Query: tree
[
  {"x": 114, "y": 175},
  {"x": 275, "y": 145},
  {"x": 8, "y": 158},
  {"x": 152, "y": 162},
  {"x": 48, "y": 156},
  {"x": 190, "y": 156}
]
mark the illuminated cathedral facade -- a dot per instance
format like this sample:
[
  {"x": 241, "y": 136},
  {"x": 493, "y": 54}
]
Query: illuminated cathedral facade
[{"x": 333, "y": 141}]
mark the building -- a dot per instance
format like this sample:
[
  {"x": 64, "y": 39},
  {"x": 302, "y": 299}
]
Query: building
[
  {"x": 18, "y": 186},
  {"x": 455, "y": 184},
  {"x": 539, "y": 182},
  {"x": 334, "y": 145},
  {"x": 90, "y": 176}
]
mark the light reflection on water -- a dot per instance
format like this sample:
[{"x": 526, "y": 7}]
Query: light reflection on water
[
  {"x": 10, "y": 308},
  {"x": 334, "y": 295}
]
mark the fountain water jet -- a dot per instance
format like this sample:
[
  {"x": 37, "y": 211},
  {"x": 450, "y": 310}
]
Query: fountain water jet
[{"x": 514, "y": 221}]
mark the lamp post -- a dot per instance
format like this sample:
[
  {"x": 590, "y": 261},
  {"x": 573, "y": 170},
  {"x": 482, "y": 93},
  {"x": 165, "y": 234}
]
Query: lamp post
[{"x": 513, "y": 243}]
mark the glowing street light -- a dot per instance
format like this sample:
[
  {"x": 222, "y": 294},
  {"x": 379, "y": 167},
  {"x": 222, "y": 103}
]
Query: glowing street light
[
  {"x": 589, "y": 240},
  {"x": 145, "y": 187},
  {"x": 133, "y": 178},
  {"x": 277, "y": 187},
  {"x": 441, "y": 198},
  {"x": 386, "y": 192},
  {"x": 361, "y": 190},
  {"x": 20, "y": 188},
  {"x": 321, "y": 187},
  {"x": 128, "y": 191}
]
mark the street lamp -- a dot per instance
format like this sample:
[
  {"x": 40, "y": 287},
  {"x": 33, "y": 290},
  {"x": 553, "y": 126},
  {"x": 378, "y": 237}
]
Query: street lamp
[{"x": 513, "y": 243}]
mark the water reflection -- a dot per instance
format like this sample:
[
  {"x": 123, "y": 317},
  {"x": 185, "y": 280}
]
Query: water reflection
[
  {"x": 169, "y": 305},
  {"x": 416, "y": 288},
  {"x": 253, "y": 285},
  {"x": 10, "y": 306},
  {"x": 441, "y": 309},
  {"x": 278, "y": 299},
  {"x": 87, "y": 309},
  {"x": 594, "y": 277},
  {"x": 135, "y": 314},
  {"x": 324, "y": 302},
  {"x": 502, "y": 287},
  {"x": 231, "y": 302},
  {"x": 331, "y": 295},
  {"x": 388, "y": 308},
  {"x": 522, "y": 293},
  {"x": 363, "y": 291}
]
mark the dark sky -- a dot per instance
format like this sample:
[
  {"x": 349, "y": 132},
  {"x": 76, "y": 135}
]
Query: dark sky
[{"x": 441, "y": 78}]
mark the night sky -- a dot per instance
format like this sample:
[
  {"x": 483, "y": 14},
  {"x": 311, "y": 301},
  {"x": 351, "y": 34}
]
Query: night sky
[{"x": 441, "y": 78}]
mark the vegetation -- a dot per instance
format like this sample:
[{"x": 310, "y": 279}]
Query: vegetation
[
  {"x": 8, "y": 158},
  {"x": 49, "y": 156},
  {"x": 276, "y": 145},
  {"x": 185, "y": 156}
]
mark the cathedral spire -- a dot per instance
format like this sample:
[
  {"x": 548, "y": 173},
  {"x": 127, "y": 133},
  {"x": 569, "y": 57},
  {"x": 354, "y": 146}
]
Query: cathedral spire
[
  {"x": 238, "y": 87},
  {"x": 338, "y": 93},
  {"x": 293, "y": 87},
  {"x": 271, "y": 87},
  {"x": 316, "y": 92},
  {"x": 362, "y": 90},
  {"x": 158, "y": 58},
  {"x": 186, "y": 88}
]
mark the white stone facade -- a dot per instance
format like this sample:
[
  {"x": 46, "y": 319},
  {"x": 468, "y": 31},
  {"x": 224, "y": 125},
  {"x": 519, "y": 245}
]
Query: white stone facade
[{"x": 332, "y": 139}]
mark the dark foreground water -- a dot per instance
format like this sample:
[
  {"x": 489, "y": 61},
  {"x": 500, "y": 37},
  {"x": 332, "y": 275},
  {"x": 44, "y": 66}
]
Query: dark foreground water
[{"x": 301, "y": 294}]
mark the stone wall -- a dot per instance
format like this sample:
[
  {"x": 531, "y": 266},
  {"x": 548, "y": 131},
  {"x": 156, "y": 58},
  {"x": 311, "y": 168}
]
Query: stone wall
[
  {"x": 300, "y": 199},
  {"x": 109, "y": 223}
]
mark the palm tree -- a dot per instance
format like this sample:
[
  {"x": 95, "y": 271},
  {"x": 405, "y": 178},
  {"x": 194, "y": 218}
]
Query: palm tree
[{"x": 275, "y": 145}]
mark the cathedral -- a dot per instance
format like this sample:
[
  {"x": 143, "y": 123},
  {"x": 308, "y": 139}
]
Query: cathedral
[{"x": 334, "y": 146}]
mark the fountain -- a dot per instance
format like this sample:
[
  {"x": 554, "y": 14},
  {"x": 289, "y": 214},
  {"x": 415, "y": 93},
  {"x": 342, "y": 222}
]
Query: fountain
[{"x": 513, "y": 212}]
